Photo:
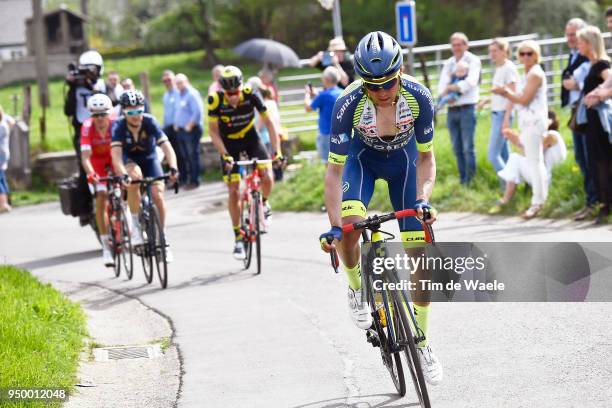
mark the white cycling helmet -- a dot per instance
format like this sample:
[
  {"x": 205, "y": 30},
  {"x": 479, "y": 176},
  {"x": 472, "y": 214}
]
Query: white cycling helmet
[
  {"x": 92, "y": 57},
  {"x": 99, "y": 103}
]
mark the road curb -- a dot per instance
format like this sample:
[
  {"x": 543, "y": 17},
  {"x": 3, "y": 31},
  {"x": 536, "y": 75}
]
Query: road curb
[{"x": 124, "y": 324}]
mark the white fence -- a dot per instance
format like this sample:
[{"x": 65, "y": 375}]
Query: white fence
[{"x": 428, "y": 64}]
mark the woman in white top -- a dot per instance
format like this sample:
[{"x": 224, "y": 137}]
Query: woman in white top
[
  {"x": 532, "y": 106},
  {"x": 517, "y": 168},
  {"x": 506, "y": 74}
]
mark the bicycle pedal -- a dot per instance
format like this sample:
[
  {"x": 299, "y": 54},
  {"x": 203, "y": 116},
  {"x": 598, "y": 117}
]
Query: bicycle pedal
[{"x": 373, "y": 338}]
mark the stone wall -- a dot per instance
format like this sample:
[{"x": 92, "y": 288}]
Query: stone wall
[{"x": 25, "y": 69}]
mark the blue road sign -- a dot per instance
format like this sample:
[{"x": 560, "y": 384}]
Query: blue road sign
[{"x": 405, "y": 22}]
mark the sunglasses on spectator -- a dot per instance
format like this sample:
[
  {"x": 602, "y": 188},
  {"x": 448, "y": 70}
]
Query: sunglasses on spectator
[
  {"x": 99, "y": 115},
  {"x": 386, "y": 85},
  {"x": 525, "y": 53},
  {"x": 232, "y": 92},
  {"x": 166, "y": 80},
  {"x": 134, "y": 112}
]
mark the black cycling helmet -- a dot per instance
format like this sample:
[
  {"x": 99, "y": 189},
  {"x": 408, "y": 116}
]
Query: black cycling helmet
[
  {"x": 231, "y": 77},
  {"x": 131, "y": 98},
  {"x": 378, "y": 55}
]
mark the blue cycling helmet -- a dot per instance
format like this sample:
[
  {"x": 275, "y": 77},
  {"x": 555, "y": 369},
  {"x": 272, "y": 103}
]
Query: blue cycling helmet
[{"x": 378, "y": 55}]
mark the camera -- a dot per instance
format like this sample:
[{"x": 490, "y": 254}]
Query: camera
[
  {"x": 327, "y": 58},
  {"x": 82, "y": 75}
]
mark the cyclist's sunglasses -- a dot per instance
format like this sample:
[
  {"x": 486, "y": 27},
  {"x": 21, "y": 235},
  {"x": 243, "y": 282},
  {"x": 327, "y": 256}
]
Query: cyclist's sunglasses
[
  {"x": 99, "y": 115},
  {"x": 134, "y": 112},
  {"x": 232, "y": 92},
  {"x": 386, "y": 85}
]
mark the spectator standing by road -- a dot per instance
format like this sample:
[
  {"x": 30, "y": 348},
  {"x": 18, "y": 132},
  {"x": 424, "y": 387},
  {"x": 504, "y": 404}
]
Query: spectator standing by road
[
  {"x": 324, "y": 102},
  {"x": 4, "y": 158},
  {"x": 598, "y": 133},
  {"x": 461, "y": 118},
  {"x": 113, "y": 87},
  {"x": 267, "y": 79},
  {"x": 531, "y": 100},
  {"x": 188, "y": 126},
  {"x": 573, "y": 81},
  {"x": 215, "y": 86},
  {"x": 505, "y": 74},
  {"x": 337, "y": 57},
  {"x": 170, "y": 100}
]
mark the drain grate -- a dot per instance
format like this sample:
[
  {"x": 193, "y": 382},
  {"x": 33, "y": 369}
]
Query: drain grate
[{"x": 128, "y": 352}]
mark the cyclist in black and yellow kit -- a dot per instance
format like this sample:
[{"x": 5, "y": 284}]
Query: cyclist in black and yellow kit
[{"x": 231, "y": 125}]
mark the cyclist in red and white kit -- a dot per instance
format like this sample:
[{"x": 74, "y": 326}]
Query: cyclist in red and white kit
[{"x": 96, "y": 158}]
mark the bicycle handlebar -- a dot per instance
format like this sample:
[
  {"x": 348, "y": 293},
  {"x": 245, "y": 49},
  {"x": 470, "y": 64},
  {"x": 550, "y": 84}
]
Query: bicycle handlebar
[
  {"x": 151, "y": 180},
  {"x": 252, "y": 162}
]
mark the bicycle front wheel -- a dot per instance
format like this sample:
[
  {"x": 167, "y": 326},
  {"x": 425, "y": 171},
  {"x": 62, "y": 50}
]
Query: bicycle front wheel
[
  {"x": 126, "y": 257},
  {"x": 258, "y": 212},
  {"x": 147, "y": 248},
  {"x": 245, "y": 224},
  {"x": 161, "y": 263},
  {"x": 407, "y": 338}
]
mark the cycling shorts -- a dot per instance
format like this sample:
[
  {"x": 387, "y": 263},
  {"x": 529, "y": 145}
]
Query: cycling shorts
[
  {"x": 150, "y": 166},
  {"x": 251, "y": 146},
  {"x": 364, "y": 166}
]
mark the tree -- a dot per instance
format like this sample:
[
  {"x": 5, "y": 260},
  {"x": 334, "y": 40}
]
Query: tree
[{"x": 538, "y": 15}]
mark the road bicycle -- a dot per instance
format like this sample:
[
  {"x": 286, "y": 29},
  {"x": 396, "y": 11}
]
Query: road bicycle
[
  {"x": 394, "y": 329},
  {"x": 118, "y": 227},
  {"x": 153, "y": 249},
  {"x": 252, "y": 213}
]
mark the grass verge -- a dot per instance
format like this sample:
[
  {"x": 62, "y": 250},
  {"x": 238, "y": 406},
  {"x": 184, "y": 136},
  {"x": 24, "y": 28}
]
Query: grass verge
[{"x": 41, "y": 334}]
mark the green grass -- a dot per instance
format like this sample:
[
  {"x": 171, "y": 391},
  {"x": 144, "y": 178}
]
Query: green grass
[
  {"x": 39, "y": 193},
  {"x": 41, "y": 334},
  {"x": 304, "y": 191}
]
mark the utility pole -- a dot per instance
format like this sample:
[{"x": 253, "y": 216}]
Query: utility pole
[
  {"x": 40, "y": 54},
  {"x": 337, "y": 19},
  {"x": 84, "y": 12}
]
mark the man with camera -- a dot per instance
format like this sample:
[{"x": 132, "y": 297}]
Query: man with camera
[
  {"x": 336, "y": 56},
  {"x": 83, "y": 80}
]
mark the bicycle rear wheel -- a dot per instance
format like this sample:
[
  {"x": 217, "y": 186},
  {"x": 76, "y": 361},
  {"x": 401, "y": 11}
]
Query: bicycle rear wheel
[
  {"x": 126, "y": 257},
  {"x": 245, "y": 224},
  {"x": 258, "y": 210},
  {"x": 161, "y": 263},
  {"x": 412, "y": 357}
]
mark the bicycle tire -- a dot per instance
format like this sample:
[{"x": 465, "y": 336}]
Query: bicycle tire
[
  {"x": 412, "y": 357},
  {"x": 115, "y": 240},
  {"x": 391, "y": 360},
  {"x": 257, "y": 224},
  {"x": 146, "y": 255},
  {"x": 127, "y": 256},
  {"x": 159, "y": 247},
  {"x": 246, "y": 227}
]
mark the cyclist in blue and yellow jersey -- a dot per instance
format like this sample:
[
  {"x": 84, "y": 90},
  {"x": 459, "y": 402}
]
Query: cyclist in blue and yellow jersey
[
  {"x": 231, "y": 125},
  {"x": 382, "y": 128},
  {"x": 133, "y": 148}
]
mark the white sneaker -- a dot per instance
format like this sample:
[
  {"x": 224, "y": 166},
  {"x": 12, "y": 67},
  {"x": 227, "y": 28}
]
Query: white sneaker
[
  {"x": 432, "y": 369},
  {"x": 107, "y": 257},
  {"x": 136, "y": 237},
  {"x": 361, "y": 314},
  {"x": 169, "y": 254},
  {"x": 239, "y": 252}
]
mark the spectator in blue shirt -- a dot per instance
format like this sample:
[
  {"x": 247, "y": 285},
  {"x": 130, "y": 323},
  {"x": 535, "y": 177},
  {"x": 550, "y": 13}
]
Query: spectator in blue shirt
[
  {"x": 324, "y": 103},
  {"x": 170, "y": 99},
  {"x": 188, "y": 126}
]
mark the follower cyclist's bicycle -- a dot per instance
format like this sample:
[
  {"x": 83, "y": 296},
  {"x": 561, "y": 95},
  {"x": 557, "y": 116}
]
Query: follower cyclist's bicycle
[
  {"x": 252, "y": 217},
  {"x": 153, "y": 250},
  {"x": 394, "y": 329},
  {"x": 119, "y": 229}
]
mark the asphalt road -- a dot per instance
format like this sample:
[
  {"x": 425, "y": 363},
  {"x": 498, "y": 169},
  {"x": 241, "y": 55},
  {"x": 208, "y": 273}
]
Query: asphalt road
[{"x": 284, "y": 339}]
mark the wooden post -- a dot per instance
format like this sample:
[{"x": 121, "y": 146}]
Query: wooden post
[
  {"x": 26, "y": 109},
  {"x": 144, "y": 87},
  {"x": 84, "y": 12},
  {"x": 40, "y": 51}
]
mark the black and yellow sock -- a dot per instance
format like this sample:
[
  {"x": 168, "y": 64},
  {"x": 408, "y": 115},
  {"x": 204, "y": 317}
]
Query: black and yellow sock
[
  {"x": 237, "y": 233},
  {"x": 354, "y": 276},
  {"x": 421, "y": 314}
]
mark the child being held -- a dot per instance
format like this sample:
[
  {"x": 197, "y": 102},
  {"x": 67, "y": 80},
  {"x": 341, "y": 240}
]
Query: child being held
[{"x": 461, "y": 72}]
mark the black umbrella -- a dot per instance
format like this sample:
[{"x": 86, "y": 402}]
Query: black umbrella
[{"x": 269, "y": 52}]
